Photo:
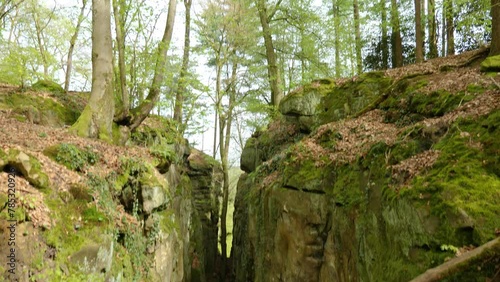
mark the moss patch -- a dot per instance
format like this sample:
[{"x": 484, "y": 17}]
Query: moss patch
[
  {"x": 465, "y": 180},
  {"x": 352, "y": 97},
  {"x": 47, "y": 111},
  {"x": 47, "y": 85}
]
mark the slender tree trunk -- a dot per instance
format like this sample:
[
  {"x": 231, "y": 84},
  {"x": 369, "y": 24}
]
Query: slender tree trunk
[
  {"x": 422, "y": 25},
  {"x": 272, "y": 66},
  {"x": 450, "y": 29},
  {"x": 385, "y": 45},
  {"x": 419, "y": 55},
  {"x": 218, "y": 74},
  {"x": 118, "y": 10},
  {"x": 336, "y": 30},
  {"x": 41, "y": 44},
  {"x": 97, "y": 118},
  {"x": 495, "y": 28},
  {"x": 142, "y": 111},
  {"x": 443, "y": 32},
  {"x": 431, "y": 12},
  {"x": 357, "y": 36},
  {"x": 224, "y": 152},
  {"x": 72, "y": 42},
  {"x": 397, "y": 43},
  {"x": 181, "y": 89}
]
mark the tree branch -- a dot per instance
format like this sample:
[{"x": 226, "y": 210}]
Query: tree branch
[{"x": 492, "y": 248}]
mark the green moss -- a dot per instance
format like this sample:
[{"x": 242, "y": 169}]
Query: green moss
[
  {"x": 353, "y": 96},
  {"x": 47, "y": 85},
  {"x": 465, "y": 180},
  {"x": 409, "y": 104},
  {"x": 80, "y": 127},
  {"x": 29, "y": 167},
  {"x": 50, "y": 111},
  {"x": 491, "y": 64},
  {"x": 92, "y": 214}
]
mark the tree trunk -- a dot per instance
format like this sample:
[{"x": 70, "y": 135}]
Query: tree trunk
[
  {"x": 385, "y": 46},
  {"x": 118, "y": 10},
  {"x": 431, "y": 12},
  {"x": 419, "y": 55},
  {"x": 357, "y": 36},
  {"x": 41, "y": 44},
  {"x": 72, "y": 42},
  {"x": 397, "y": 44},
  {"x": 336, "y": 29},
  {"x": 142, "y": 111},
  {"x": 97, "y": 117},
  {"x": 224, "y": 140},
  {"x": 181, "y": 89},
  {"x": 495, "y": 28},
  {"x": 443, "y": 32},
  {"x": 450, "y": 29},
  {"x": 272, "y": 66}
]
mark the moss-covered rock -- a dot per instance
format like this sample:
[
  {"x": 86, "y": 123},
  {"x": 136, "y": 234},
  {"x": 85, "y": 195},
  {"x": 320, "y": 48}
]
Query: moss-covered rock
[
  {"x": 94, "y": 258},
  {"x": 47, "y": 85},
  {"x": 26, "y": 165},
  {"x": 491, "y": 64},
  {"x": 250, "y": 156},
  {"x": 336, "y": 205},
  {"x": 199, "y": 161},
  {"x": 352, "y": 97},
  {"x": 39, "y": 110}
]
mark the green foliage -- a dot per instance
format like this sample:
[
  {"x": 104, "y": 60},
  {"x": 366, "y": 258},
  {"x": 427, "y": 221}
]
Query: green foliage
[
  {"x": 449, "y": 248},
  {"x": 72, "y": 157},
  {"x": 14, "y": 67}
]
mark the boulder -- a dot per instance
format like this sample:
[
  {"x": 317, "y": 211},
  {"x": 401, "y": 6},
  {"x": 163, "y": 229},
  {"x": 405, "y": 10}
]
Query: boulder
[
  {"x": 491, "y": 64},
  {"x": 301, "y": 103},
  {"x": 95, "y": 258},
  {"x": 250, "y": 157}
]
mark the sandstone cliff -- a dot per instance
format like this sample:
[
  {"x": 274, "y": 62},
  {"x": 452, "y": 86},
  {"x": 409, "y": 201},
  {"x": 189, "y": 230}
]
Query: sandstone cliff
[
  {"x": 90, "y": 211},
  {"x": 374, "y": 178}
]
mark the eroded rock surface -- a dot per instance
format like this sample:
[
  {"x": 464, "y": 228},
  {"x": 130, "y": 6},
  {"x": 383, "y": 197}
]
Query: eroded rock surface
[{"x": 395, "y": 171}]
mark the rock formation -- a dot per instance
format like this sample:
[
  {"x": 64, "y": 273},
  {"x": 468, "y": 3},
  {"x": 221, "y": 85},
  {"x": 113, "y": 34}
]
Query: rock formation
[{"x": 374, "y": 178}]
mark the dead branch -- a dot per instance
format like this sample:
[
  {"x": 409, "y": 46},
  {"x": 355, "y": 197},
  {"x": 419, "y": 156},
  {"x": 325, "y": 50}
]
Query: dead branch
[{"x": 481, "y": 253}]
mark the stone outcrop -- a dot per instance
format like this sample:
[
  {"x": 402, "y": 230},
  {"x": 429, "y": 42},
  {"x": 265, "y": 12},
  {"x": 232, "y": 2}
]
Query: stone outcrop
[
  {"x": 153, "y": 220},
  {"x": 206, "y": 180},
  {"x": 391, "y": 176}
]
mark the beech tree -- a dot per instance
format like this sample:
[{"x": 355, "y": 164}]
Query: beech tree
[
  {"x": 419, "y": 52},
  {"x": 357, "y": 34},
  {"x": 72, "y": 42},
  {"x": 97, "y": 118},
  {"x": 397, "y": 44},
  {"x": 119, "y": 9},
  {"x": 181, "y": 88},
  {"x": 431, "y": 24},
  {"x": 450, "y": 29},
  {"x": 272, "y": 64},
  {"x": 142, "y": 111}
]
